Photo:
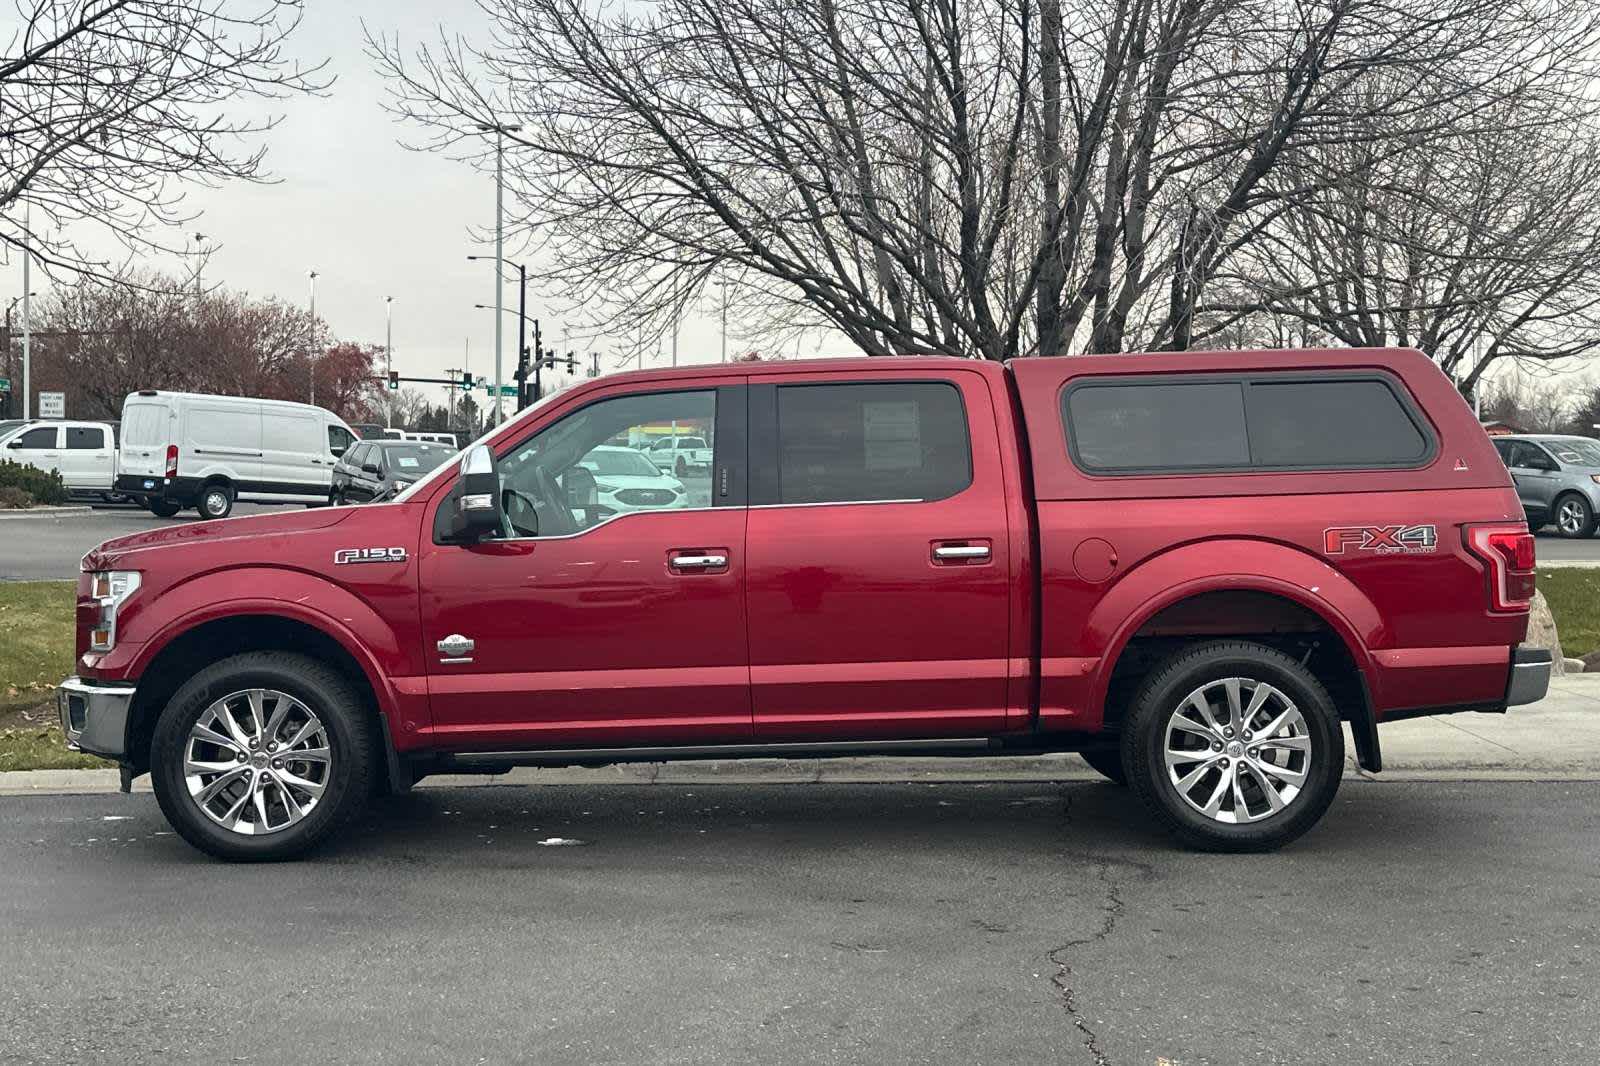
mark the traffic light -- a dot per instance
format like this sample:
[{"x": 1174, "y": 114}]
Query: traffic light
[
  {"x": 466, "y": 381},
  {"x": 394, "y": 381}
]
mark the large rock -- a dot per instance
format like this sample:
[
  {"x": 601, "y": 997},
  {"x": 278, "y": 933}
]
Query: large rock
[{"x": 1542, "y": 632}]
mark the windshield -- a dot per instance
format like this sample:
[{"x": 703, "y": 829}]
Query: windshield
[
  {"x": 1580, "y": 451},
  {"x": 619, "y": 462},
  {"x": 414, "y": 460},
  {"x": 10, "y": 424}
]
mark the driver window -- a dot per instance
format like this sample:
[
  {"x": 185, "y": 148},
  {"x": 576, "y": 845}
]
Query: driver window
[{"x": 594, "y": 464}]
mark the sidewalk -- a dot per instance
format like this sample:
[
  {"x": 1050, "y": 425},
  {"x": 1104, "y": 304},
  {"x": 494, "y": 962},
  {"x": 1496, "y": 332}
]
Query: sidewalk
[{"x": 1555, "y": 739}]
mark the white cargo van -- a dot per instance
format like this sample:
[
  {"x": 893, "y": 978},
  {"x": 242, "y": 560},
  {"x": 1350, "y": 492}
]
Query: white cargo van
[{"x": 183, "y": 449}]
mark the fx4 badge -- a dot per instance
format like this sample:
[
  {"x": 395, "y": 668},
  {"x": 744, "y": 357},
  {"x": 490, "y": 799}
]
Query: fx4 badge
[
  {"x": 369, "y": 555},
  {"x": 1382, "y": 540}
]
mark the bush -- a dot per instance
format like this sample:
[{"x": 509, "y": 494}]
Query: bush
[
  {"x": 12, "y": 498},
  {"x": 38, "y": 486}
]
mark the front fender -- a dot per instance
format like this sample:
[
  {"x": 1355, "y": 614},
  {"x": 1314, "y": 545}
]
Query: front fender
[{"x": 296, "y": 595}]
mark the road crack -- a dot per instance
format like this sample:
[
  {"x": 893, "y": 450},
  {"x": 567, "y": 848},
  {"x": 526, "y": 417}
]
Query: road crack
[{"x": 1112, "y": 874}]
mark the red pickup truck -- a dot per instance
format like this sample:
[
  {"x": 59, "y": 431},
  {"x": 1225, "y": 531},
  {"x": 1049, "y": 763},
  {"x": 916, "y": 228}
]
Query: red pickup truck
[{"x": 1188, "y": 567}]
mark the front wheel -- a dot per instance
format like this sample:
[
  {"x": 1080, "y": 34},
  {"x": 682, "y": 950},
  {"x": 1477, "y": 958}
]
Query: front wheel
[
  {"x": 1234, "y": 746},
  {"x": 1574, "y": 517},
  {"x": 262, "y": 756}
]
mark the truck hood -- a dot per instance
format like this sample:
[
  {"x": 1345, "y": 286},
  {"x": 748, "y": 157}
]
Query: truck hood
[{"x": 261, "y": 531}]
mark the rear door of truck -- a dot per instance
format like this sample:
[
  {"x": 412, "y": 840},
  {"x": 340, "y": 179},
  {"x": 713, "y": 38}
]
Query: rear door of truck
[{"x": 879, "y": 584}]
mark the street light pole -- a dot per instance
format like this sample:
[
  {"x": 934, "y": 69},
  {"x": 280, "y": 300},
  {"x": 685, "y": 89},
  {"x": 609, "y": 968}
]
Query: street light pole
[
  {"x": 311, "y": 339},
  {"x": 199, "y": 263},
  {"x": 724, "y": 284},
  {"x": 499, "y": 130},
  {"x": 388, "y": 353}
]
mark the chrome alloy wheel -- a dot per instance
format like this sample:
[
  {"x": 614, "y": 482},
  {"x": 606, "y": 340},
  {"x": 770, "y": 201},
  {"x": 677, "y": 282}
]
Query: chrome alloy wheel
[
  {"x": 1570, "y": 517},
  {"x": 1237, "y": 750},
  {"x": 257, "y": 761}
]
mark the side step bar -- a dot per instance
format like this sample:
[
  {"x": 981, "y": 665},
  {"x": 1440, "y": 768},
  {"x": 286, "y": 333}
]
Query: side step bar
[{"x": 495, "y": 761}]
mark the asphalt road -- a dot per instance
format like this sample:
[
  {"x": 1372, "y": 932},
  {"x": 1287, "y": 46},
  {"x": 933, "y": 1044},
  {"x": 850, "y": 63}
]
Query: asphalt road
[
  {"x": 48, "y": 547},
  {"x": 962, "y": 923}
]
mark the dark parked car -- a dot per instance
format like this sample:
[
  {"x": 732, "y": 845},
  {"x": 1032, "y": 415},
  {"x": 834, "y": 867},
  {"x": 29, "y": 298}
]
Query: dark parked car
[{"x": 378, "y": 469}]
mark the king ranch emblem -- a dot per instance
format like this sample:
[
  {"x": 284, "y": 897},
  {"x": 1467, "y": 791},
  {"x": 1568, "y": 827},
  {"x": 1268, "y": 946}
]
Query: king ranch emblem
[{"x": 1380, "y": 540}]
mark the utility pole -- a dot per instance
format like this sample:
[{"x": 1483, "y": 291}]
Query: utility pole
[
  {"x": 27, "y": 323},
  {"x": 724, "y": 283},
  {"x": 311, "y": 339},
  {"x": 388, "y": 353}
]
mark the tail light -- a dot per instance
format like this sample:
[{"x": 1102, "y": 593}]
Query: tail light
[
  {"x": 172, "y": 460},
  {"x": 1509, "y": 552}
]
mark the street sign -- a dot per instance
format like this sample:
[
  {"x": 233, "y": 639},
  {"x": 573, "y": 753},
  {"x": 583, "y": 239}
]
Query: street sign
[
  {"x": 52, "y": 405},
  {"x": 5, "y": 384},
  {"x": 505, "y": 390}
]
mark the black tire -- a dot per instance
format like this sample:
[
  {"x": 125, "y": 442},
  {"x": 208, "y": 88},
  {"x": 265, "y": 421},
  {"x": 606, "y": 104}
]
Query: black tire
[
  {"x": 1165, "y": 691},
  {"x": 215, "y": 500},
  {"x": 682, "y": 469},
  {"x": 1108, "y": 762},
  {"x": 352, "y": 745},
  {"x": 1573, "y": 517},
  {"x": 163, "y": 508}
]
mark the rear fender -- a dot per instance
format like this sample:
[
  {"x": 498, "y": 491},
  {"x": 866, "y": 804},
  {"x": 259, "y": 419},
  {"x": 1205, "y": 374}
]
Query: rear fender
[{"x": 1230, "y": 564}]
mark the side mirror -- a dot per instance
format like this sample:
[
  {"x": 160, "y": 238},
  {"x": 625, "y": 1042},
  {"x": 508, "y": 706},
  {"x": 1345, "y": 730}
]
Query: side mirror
[
  {"x": 14, "y": 444},
  {"x": 370, "y": 468},
  {"x": 478, "y": 506}
]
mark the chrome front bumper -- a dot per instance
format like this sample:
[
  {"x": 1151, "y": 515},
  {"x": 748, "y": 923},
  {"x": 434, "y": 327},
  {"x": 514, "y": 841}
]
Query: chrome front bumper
[
  {"x": 1530, "y": 676},
  {"x": 94, "y": 717}
]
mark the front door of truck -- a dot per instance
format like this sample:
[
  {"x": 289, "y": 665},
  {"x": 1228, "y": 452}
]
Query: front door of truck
[
  {"x": 879, "y": 558},
  {"x": 591, "y": 625}
]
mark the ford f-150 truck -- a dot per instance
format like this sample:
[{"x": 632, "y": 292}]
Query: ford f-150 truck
[{"x": 1191, "y": 568}]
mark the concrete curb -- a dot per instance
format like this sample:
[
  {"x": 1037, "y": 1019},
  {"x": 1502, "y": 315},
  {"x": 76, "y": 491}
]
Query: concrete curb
[
  {"x": 1021, "y": 770},
  {"x": 44, "y": 512}
]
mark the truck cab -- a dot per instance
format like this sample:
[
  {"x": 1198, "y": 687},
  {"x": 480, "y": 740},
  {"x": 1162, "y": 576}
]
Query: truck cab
[{"x": 1192, "y": 568}]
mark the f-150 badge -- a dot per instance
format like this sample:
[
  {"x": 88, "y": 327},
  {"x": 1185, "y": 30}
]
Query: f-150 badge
[
  {"x": 1381, "y": 540},
  {"x": 369, "y": 555}
]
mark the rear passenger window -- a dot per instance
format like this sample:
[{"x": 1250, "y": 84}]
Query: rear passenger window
[
  {"x": 853, "y": 443},
  {"x": 1177, "y": 426},
  {"x": 85, "y": 438},
  {"x": 1330, "y": 424},
  {"x": 1261, "y": 423}
]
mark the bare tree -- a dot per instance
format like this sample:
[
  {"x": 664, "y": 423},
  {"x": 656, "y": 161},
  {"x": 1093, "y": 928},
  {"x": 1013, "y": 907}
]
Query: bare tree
[
  {"x": 108, "y": 105},
  {"x": 974, "y": 177},
  {"x": 1474, "y": 247}
]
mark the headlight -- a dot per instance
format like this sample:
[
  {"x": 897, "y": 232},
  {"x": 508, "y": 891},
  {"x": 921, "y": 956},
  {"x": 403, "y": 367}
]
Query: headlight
[
  {"x": 112, "y": 589},
  {"x": 606, "y": 486}
]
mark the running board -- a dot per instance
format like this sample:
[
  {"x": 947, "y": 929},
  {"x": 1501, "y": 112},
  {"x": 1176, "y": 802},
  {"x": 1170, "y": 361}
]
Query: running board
[{"x": 491, "y": 761}]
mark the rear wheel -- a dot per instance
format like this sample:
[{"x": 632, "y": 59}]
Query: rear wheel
[
  {"x": 216, "y": 501},
  {"x": 1574, "y": 517},
  {"x": 163, "y": 508},
  {"x": 262, "y": 756},
  {"x": 1108, "y": 761},
  {"x": 682, "y": 469},
  {"x": 1234, "y": 746}
]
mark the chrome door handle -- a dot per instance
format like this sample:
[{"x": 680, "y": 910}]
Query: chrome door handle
[
  {"x": 699, "y": 562},
  {"x": 961, "y": 551}
]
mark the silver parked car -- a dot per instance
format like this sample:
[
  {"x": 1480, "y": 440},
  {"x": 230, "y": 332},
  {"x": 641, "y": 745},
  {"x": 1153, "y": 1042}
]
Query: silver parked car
[{"x": 1558, "y": 479}]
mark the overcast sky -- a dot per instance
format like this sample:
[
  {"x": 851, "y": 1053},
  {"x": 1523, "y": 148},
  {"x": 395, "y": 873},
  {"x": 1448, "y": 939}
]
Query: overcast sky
[{"x": 372, "y": 218}]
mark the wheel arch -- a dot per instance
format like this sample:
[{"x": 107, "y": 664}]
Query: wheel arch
[
  {"x": 1305, "y": 596},
  {"x": 228, "y": 625}
]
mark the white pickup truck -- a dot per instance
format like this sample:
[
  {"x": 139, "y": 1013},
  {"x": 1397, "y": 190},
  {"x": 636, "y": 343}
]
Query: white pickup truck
[
  {"x": 85, "y": 453},
  {"x": 680, "y": 455}
]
